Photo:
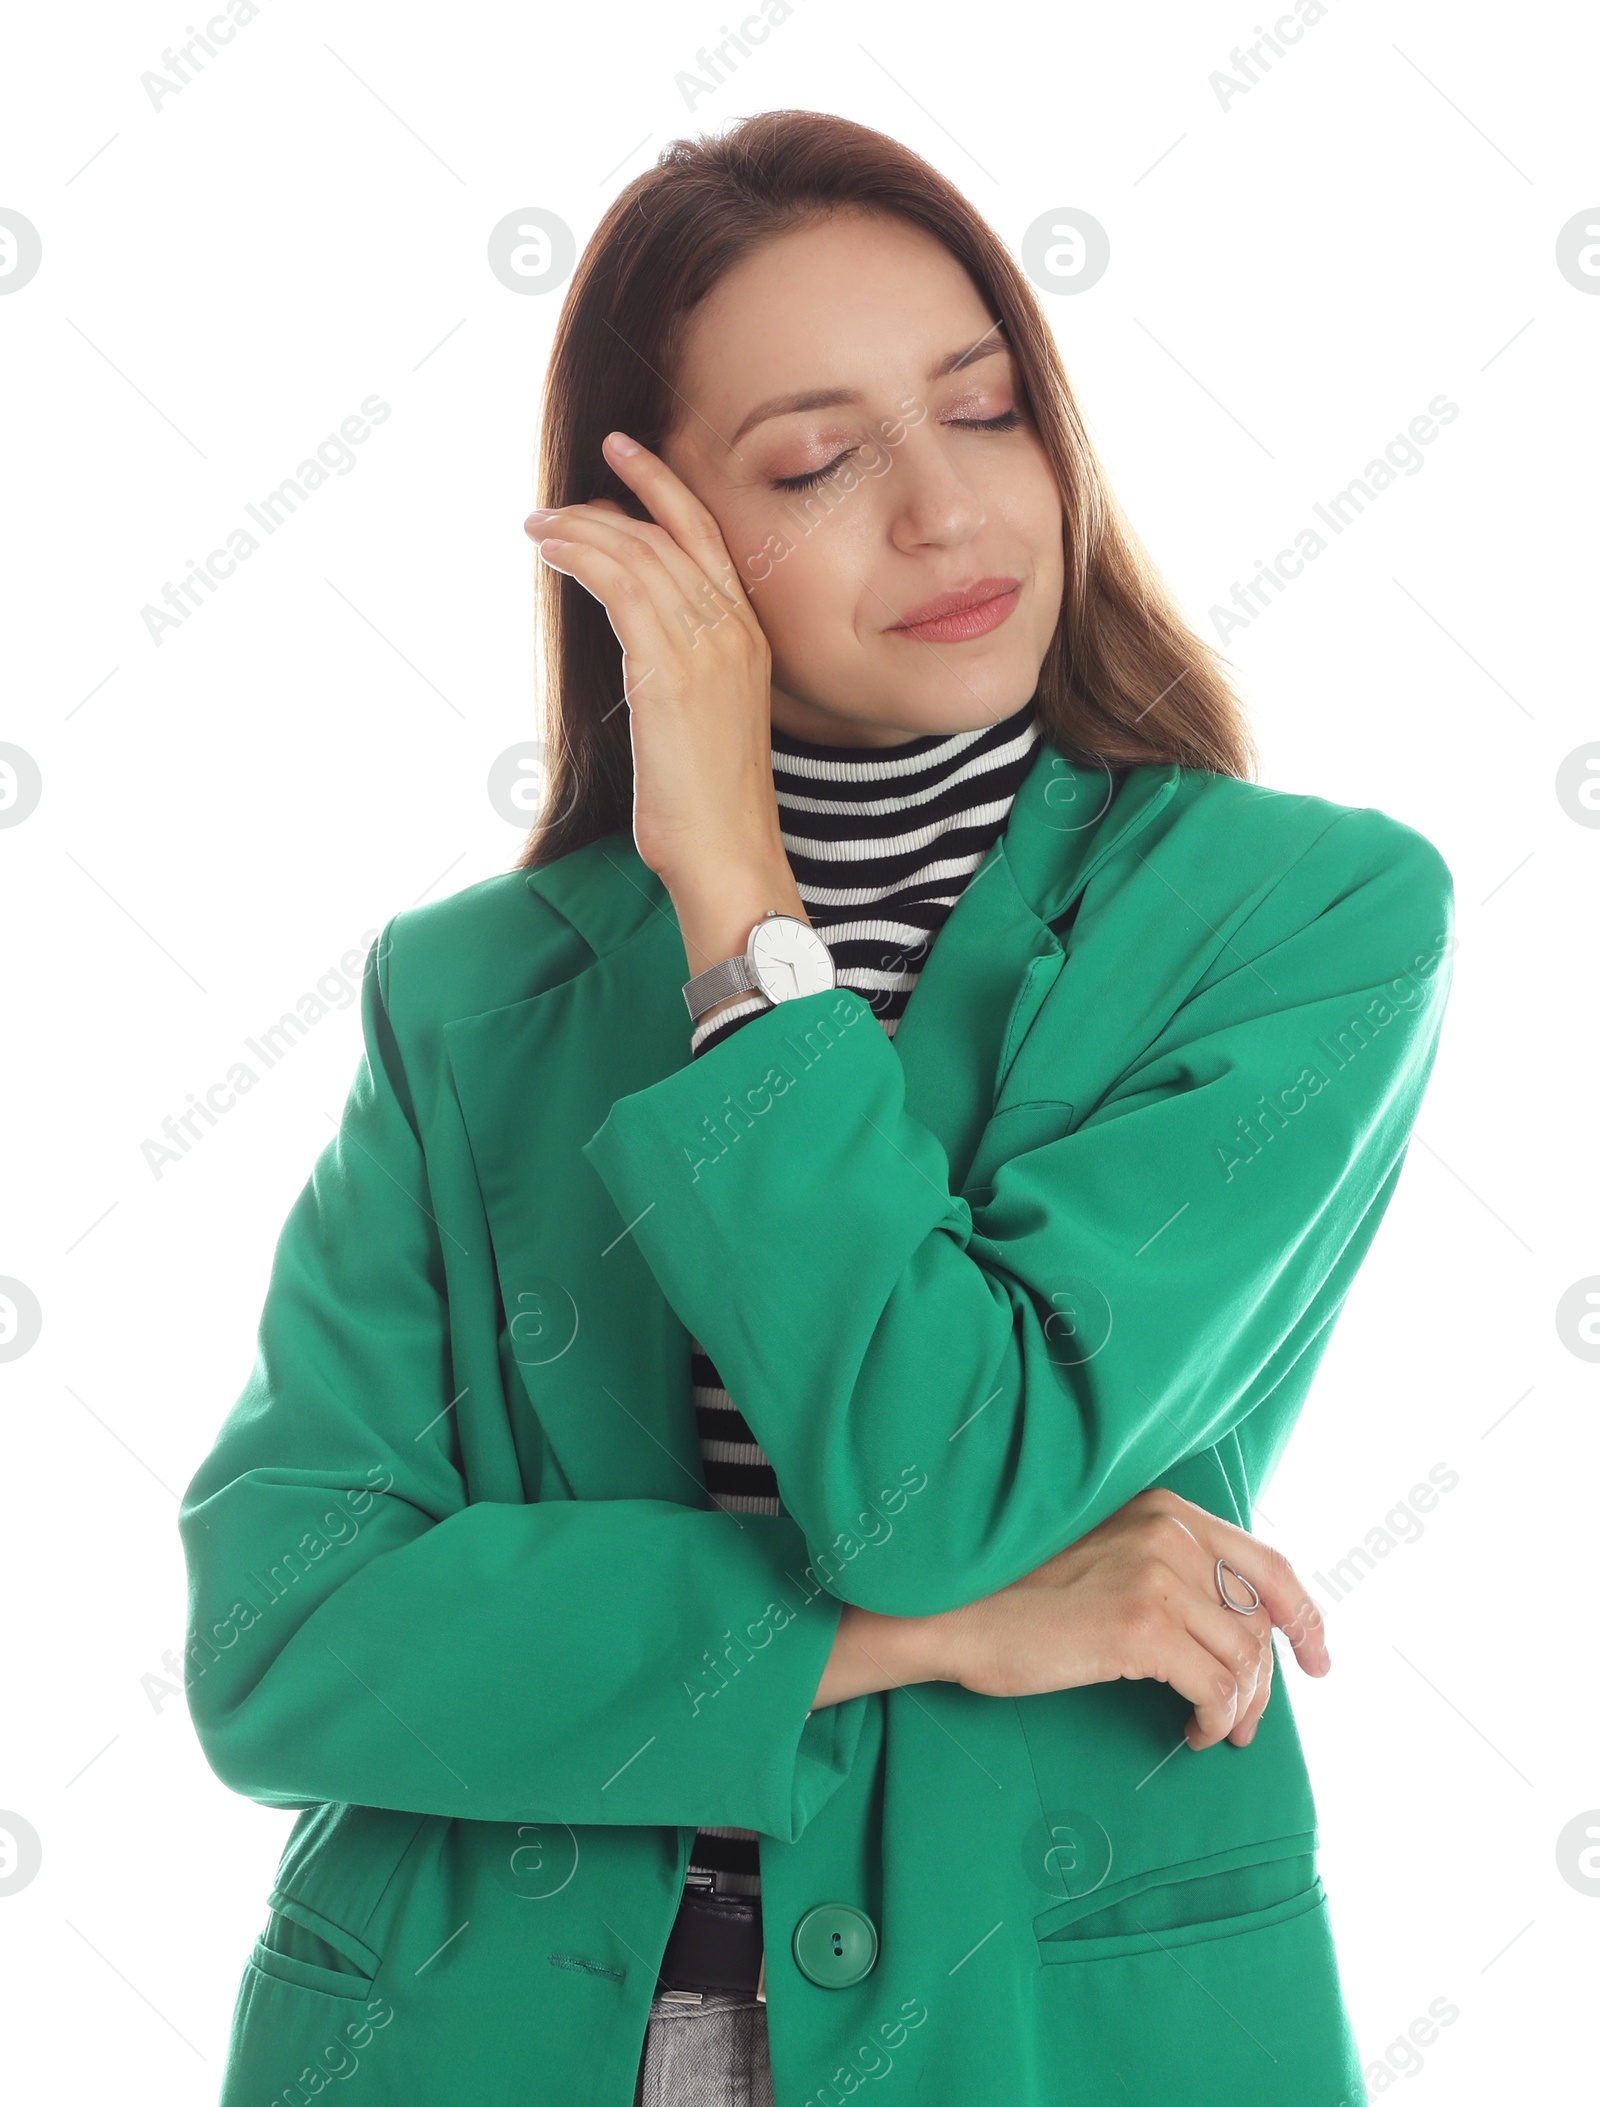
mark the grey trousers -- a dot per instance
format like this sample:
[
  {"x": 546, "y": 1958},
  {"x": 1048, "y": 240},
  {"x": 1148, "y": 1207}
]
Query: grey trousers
[{"x": 713, "y": 2054}]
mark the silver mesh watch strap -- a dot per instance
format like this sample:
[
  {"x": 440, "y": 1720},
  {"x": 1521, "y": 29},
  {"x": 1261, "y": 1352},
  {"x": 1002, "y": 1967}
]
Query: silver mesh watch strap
[{"x": 732, "y": 977}]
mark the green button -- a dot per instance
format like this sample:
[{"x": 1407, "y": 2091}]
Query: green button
[{"x": 835, "y": 1945}]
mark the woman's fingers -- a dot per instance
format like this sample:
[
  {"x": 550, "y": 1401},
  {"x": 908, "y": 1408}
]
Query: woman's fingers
[
  {"x": 680, "y": 587},
  {"x": 1242, "y": 1646},
  {"x": 669, "y": 500},
  {"x": 1138, "y": 1597},
  {"x": 1284, "y": 1596},
  {"x": 667, "y": 584},
  {"x": 1191, "y": 1540},
  {"x": 682, "y": 533},
  {"x": 1244, "y": 1727},
  {"x": 1195, "y": 1672},
  {"x": 634, "y": 570},
  {"x": 629, "y": 607}
]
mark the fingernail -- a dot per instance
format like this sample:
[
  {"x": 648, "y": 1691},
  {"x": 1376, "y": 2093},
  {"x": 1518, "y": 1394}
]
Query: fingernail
[{"x": 620, "y": 443}]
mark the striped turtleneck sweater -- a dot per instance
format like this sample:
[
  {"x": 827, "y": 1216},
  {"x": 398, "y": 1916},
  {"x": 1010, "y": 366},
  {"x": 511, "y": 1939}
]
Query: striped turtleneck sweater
[{"x": 882, "y": 840}]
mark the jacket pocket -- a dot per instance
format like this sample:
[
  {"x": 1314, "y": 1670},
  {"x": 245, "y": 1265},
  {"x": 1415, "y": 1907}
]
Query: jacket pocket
[
  {"x": 1239, "y": 2009},
  {"x": 289, "y": 1967},
  {"x": 309, "y": 2007},
  {"x": 302, "y": 1936},
  {"x": 334, "y": 1879},
  {"x": 297, "y": 2026},
  {"x": 1123, "y": 1945},
  {"x": 1219, "y": 1896}
]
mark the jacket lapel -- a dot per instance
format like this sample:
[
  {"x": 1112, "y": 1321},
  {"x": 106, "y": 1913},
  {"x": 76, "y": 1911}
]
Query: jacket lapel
[
  {"x": 998, "y": 957},
  {"x": 602, "y": 1357}
]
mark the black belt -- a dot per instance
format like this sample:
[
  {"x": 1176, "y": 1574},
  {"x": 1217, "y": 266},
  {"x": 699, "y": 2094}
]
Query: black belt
[{"x": 715, "y": 1944}]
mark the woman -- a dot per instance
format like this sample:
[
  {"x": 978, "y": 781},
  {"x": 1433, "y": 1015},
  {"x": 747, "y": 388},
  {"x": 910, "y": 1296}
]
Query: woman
[{"x": 736, "y": 1538}]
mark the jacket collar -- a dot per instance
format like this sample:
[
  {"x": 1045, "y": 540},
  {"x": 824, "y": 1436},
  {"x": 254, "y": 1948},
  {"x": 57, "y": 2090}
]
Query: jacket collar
[{"x": 602, "y": 1357}]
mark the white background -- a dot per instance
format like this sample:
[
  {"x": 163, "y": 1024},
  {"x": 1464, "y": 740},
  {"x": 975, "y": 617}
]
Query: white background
[{"x": 227, "y": 813}]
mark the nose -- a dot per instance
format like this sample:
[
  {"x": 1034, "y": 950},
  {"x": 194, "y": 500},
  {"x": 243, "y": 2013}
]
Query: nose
[{"x": 935, "y": 504}]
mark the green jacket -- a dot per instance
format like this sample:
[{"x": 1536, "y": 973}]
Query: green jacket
[{"x": 1081, "y": 1228}]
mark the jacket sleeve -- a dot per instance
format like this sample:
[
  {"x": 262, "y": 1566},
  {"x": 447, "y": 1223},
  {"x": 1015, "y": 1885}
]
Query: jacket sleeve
[
  {"x": 950, "y": 1393},
  {"x": 360, "y": 1631},
  {"x": 705, "y": 1036}
]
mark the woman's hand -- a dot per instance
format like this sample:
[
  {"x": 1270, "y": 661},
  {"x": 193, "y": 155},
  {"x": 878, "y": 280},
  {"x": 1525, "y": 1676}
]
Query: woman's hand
[
  {"x": 1137, "y": 1598},
  {"x": 697, "y": 679},
  {"x": 1134, "y": 1599}
]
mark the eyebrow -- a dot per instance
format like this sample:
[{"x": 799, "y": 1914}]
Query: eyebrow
[{"x": 989, "y": 345}]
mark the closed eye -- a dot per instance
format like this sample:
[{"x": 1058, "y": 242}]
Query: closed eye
[{"x": 1007, "y": 421}]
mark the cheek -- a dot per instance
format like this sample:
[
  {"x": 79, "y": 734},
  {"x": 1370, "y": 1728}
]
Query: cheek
[
  {"x": 1030, "y": 502},
  {"x": 802, "y": 570}
]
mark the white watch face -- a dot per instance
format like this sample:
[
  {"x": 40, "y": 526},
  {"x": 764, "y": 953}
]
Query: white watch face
[{"x": 790, "y": 959}]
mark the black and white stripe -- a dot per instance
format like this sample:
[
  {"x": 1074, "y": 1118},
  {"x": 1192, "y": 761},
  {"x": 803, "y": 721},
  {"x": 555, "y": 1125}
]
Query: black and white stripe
[{"x": 881, "y": 840}]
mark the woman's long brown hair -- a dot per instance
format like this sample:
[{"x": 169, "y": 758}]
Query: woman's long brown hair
[{"x": 1125, "y": 679}]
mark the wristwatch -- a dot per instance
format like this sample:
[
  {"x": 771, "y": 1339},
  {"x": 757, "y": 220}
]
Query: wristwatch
[{"x": 784, "y": 958}]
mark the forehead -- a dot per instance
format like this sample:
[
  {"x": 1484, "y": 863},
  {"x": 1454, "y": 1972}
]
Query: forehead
[{"x": 857, "y": 300}]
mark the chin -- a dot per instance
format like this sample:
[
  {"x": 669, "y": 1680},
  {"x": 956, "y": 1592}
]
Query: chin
[
  {"x": 946, "y": 688},
  {"x": 962, "y": 689}
]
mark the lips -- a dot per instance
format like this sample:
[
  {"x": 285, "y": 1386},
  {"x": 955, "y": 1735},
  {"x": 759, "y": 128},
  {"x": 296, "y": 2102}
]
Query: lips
[{"x": 954, "y": 616}]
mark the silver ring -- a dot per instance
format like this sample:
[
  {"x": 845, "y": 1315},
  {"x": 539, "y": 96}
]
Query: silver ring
[{"x": 1243, "y": 1609}]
